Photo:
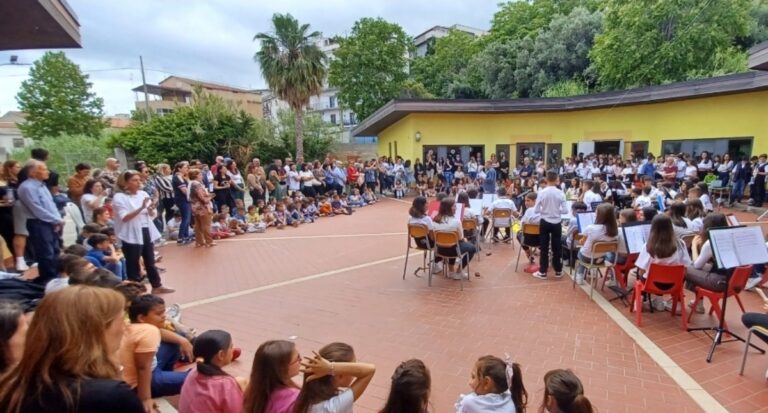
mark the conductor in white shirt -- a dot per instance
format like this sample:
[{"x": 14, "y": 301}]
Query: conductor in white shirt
[{"x": 550, "y": 205}]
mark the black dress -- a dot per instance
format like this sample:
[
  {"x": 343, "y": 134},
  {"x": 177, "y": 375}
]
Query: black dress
[{"x": 7, "y": 198}]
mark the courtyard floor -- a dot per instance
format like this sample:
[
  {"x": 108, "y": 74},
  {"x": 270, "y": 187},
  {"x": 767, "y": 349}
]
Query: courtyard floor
[{"x": 340, "y": 279}]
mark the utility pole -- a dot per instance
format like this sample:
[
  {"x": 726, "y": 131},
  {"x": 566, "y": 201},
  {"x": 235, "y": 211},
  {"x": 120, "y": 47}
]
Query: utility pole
[{"x": 144, "y": 86}]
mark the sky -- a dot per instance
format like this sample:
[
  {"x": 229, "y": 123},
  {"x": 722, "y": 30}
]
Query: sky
[{"x": 211, "y": 40}]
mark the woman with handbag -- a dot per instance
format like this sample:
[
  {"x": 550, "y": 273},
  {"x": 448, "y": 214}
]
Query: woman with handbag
[{"x": 255, "y": 187}]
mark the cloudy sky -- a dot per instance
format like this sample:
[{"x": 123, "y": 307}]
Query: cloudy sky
[{"x": 211, "y": 40}]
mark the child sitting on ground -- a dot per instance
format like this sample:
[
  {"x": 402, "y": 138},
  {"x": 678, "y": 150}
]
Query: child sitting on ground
[
  {"x": 173, "y": 226},
  {"x": 101, "y": 256},
  {"x": 281, "y": 217},
  {"x": 67, "y": 265},
  {"x": 324, "y": 208},
  {"x": 355, "y": 200},
  {"x": 220, "y": 227},
  {"x": 309, "y": 210},
  {"x": 339, "y": 206},
  {"x": 369, "y": 197},
  {"x": 497, "y": 386},
  {"x": 293, "y": 216},
  {"x": 252, "y": 216},
  {"x": 87, "y": 232}
]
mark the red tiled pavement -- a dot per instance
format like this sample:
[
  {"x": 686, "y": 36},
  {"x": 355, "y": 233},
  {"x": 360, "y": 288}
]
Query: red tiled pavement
[{"x": 543, "y": 325}]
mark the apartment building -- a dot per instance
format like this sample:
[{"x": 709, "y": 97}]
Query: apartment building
[
  {"x": 175, "y": 91},
  {"x": 424, "y": 41}
]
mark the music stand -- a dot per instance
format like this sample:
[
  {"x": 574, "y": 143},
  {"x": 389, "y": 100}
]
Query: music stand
[{"x": 729, "y": 266}]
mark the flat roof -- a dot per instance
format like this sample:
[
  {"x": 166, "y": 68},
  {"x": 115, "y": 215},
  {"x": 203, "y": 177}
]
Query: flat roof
[{"x": 397, "y": 109}]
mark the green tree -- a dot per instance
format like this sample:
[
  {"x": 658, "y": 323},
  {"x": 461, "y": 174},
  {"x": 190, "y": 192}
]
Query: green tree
[
  {"x": 413, "y": 89},
  {"x": 560, "y": 53},
  {"x": 758, "y": 25},
  {"x": 57, "y": 99},
  {"x": 318, "y": 137},
  {"x": 658, "y": 41},
  {"x": 497, "y": 64},
  {"x": 370, "y": 67},
  {"x": 566, "y": 88},
  {"x": 518, "y": 19},
  {"x": 448, "y": 65},
  {"x": 293, "y": 66},
  {"x": 66, "y": 151}
]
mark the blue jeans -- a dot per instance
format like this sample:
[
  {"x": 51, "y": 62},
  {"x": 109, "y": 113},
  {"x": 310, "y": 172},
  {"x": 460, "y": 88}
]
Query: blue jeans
[
  {"x": 118, "y": 269},
  {"x": 448, "y": 179},
  {"x": 165, "y": 381},
  {"x": 738, "y": 190},
  {"x": 45, "y": 244},
  {"x": 186, "y": 218}
]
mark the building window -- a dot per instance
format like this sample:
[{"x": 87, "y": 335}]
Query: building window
[
  {"x": 352, "y": 118},
  {"x": 333, "y": 118},
  {"x": 332, "y": 102},
  {"x": 163, "y": 111},
  {"x": 18, "y": 142}
]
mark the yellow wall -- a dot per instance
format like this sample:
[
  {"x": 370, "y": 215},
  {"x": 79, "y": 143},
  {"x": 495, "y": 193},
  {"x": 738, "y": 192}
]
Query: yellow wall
[{"x": 740, "y": 115}]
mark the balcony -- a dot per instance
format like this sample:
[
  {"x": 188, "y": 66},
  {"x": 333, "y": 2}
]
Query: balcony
[{"x": 321, "y": 106}]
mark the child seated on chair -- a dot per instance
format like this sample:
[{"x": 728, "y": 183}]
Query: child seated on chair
[
  {"x": 529, "y": 217},
  {"x": 502, "y": 202},
  {"x": 605, "y": 228},
  {"x": 662, "y": 247},
  {"x": 572, "y": 229}
]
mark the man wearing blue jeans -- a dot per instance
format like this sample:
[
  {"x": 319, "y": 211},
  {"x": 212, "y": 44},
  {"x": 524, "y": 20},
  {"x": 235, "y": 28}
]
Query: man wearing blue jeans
[{"x": 45, "y": 221}]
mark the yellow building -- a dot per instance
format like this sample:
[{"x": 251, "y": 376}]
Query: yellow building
[
  {"x": 176, "y": 91},
  {"x": 727, "y": 114}
]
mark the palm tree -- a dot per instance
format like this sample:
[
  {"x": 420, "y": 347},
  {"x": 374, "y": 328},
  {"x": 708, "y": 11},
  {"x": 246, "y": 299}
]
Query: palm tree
[{"x": 293, "y": 66}]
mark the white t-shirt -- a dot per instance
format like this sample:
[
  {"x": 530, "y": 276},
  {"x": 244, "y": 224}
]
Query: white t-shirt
[
  {"x": 644, "y": 259},
  {"x": 590, "y": 197},
  {"x": 691, "y": 171},
  {"x": 503, "y": 203},
  {"x": 56, "y": 284},
  {"x": 293, "y": 181},
  {"x": 425, "y": 220},
  {"x": 486, "y": 403},
  {"x": 530, "y": 216},
  {"x": 340, "y": 403},
  {"x": 449, "y": 224},
  {"x": 594, "y": 233},
  {"x": 706, "y": 201},
  {"x": 87, "y": 210}
]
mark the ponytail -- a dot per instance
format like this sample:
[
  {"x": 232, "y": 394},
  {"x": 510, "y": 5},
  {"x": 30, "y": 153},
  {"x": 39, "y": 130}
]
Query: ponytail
[
  {"x": 580, "y": 404},
  {"x": 206, "y": 347},
  {"x": 517, "y": 389},
  {"x": 567, "y": 391}
]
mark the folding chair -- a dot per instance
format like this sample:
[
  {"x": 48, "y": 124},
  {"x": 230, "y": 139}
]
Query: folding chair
[
  {"x": 661, "y": 280},
  {"x": 420, "y": 231},
  {"x": 502, "y": 218},
  {"x": 737, "y": 284},
  {"x": 472, "y": 233},
  {"x": 528, "y": 229},
  {"x": 449, "y": 240},
  {"x": 753, "y": 329},
  {"x": 599, "y": 248}
]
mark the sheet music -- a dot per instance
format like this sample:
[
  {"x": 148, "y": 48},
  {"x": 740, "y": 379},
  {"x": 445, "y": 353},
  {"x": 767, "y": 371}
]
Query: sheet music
[
  {"x": 734, "y": 247},
  {"x": 585, "y": 219},
  {"x": 488, "y": 200},
  {"x": 459, "y": 212},
  {"x": 635, "y": 236},
  {"x": 732, "y": 220},
  {"x": 476, "y": 206}
]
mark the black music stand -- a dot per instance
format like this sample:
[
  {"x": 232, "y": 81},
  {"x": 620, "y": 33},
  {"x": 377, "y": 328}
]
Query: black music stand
[{"x": 720, "y": 329}]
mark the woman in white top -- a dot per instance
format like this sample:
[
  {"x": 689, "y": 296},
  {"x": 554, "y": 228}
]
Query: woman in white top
[
  {"x": 705, "y": 164},
  {"x": 308, "y": 181},
  {"x": 472, "y": 168},
  {"x": 605, "y": 228},
  {"x": 445, "y": 220},
  {"x": 724, "y": 169},
  {"x": 294, "y": 183},
  {"x": 238, "y": 189},
  {"x": 134, "y": 212},
  {"x": 691, "y": 171},
  {"x": 703, "y": 272},
  {"x": 662, "y": 246},
  {"x": 333, "y": 380},
  {"x": 93, "y": 197}
]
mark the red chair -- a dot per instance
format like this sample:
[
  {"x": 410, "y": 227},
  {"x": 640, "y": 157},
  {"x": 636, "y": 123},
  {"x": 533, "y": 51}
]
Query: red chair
[
  {"x": 621, "y": 271},
  {"x": 661, "y": 280},
  {"x": 735, "y": 286}
]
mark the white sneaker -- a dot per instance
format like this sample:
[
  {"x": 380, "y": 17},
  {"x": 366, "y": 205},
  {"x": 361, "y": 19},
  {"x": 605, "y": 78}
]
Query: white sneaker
[
  {"x": 459, "y": 275},
  {"x": 539, "y": 275},
  {"x": 21, "y": 265},
  {"x": 437, "y": 267},
  {"x": 668, "y": 307},
  {"x": 699, "y": 308},
  {"x": 753, "y": 282},
  {"x": 658, "y": 303},
  {"x": 579, "y": 278}
]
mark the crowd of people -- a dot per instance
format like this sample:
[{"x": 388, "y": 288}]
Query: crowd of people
[{"x": 87, "y": 334}]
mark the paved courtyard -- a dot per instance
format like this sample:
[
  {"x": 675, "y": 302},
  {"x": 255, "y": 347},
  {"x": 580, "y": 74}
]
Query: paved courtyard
[{"x": 339, "y": 279}]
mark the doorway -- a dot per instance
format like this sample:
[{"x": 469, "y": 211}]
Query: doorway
[
  {"x": 534, "y": 151},
  {"x": 608, "y": 147},
  {"x": 638, "y": 149}
]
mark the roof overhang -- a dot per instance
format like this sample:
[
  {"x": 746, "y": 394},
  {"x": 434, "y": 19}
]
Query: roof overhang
[
  {"x": 722, "y": 85},
  {"x": 38, "y": 24},
  {"x": 758, "y": 57},
  {"x": 162, "y": 90}
]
